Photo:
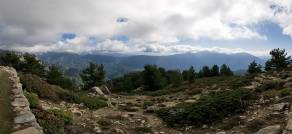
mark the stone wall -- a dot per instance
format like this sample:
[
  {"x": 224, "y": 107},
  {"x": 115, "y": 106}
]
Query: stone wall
[{"x": 24, "y": 120}]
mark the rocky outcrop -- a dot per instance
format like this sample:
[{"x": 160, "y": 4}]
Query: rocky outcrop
[{"x": 24, "y": 120}]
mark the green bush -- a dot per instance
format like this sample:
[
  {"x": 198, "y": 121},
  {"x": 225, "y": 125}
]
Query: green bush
[
  {"x": 50, "y": 123},
  {"x": 35, "y": 84},
  {"x": 285, "y": 92},
  {"x": 148, "y": 104},
  {"x": 207, "y": 109},
  {"x": 32, "y": 98},
  {"x": 66, "y": 116},
  {"x": 268, "y": 85},
  {"x": 90, "y": 102}
]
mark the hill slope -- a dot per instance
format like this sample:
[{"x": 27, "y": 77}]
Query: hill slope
[{"x": 118, "y": 65}]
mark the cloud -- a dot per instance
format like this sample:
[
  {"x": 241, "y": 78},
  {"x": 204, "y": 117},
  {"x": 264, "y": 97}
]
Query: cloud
[{"x": 155, "y": 25}]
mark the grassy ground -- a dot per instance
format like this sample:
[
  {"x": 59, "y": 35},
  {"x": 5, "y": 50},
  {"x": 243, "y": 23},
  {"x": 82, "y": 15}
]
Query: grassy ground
[{"x": 6, "y": 116}]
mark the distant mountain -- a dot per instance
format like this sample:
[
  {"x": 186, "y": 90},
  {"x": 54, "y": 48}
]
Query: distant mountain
[{"x": 117, "y": 65}]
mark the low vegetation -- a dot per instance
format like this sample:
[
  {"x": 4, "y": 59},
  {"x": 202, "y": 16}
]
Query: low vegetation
[
  {"x": 34, "y": 84},
  {"x": 32, "y": 98},
  {"x": 66, "y": 116},
  {"x": 208, "y": 108}
]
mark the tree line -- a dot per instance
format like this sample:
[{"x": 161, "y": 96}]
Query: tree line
[{"x": 151, "y": 78}]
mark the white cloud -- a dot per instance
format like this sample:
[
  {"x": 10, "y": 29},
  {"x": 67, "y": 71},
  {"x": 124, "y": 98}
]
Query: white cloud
[{"x": 36, "y": 25}]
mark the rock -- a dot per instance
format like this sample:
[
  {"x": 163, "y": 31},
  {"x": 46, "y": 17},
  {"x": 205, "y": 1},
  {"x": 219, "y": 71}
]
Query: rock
[
  {"x": 105, "y": 90},
  {"x": 275, "y": 129},
  {"x": 205, "y": 126},
  {"x": 280, "y": 106},
  {"x": 20, "y": 102},
  {"x": 288, "y": 85},
  {"x": 97, "y": 130},
  {"x": 119, "y": 131},
  {"x": 24, "y": 118},
  {"x": 97, "y": 91},
  {"x": 221, "y": 132},
  {"x": 76, "y": 112},
  {"x": 288, "y": 128},
  {"x": 151, "y": 109},
  {"x": 190, "y": 101},
  {"x": 30, "y": 130}
]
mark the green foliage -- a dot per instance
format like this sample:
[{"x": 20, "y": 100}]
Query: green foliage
[
  {"x": 32, "y": 65},
  {"x": 147, "y": 104},
  {"x": 90, "y": 102},
  {"x": 33, "y": 83},
  {"x": 189, "y": 75},
  {"x": 152, "y": 78},
  {"x": 268, "y": 85},
  {"x": 206, "y": 72},
  {"x": 286, "y": 92},
  {"x": 225, "y": 70},
  {"x": 128, "y": 82},
  {"x": 32, "y": 98},
  {"x": 207, "y": 109},
  {"x": 254, "y": 68},
  {"x": 50, "y": 123},
  {"x": 11, "y": 59},
  {"x": 279, "y": 60},
  {"x": 214, "y": 70},
  {"x": 92, "y": 76},
  {"x": 174, "y": 77},
  {"x": 66, "y": 116},
  {"x": 56, "y": 77}
]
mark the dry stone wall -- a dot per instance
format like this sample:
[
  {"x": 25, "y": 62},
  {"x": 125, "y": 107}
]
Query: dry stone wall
[{"x": 24, "y": 120}]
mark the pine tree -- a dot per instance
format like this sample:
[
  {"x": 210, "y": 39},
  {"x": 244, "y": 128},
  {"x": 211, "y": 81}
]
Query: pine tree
[
  {"x": 279, "y": 60},
  {"x": 153, "y": 79},
  {"x": 215, "y": 70},
  {"x": 94, "y": 75},
  {"x": 225, "y": 70},
  {"x": 206, "y": 71},
  {"x": 254, "y": 68}
]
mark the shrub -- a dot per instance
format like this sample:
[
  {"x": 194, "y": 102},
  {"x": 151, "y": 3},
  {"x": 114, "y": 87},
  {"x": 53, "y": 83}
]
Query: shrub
[
  {"x": 66, "y": 116},
  {"x": 148, "y": 104},
  {"x": 90, "y": 102},
  {"x": 207, "y": 109},
  {"x": 285, "y": 92},
  {"x": 32, "y": 98},
  {"x": 50, "y": 123},
  {"x": 271, "y": 84},
  {"x": 35, "y": 84}
]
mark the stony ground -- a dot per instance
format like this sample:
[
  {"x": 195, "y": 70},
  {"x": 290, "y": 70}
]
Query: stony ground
[{"x": 134, "y": 114}]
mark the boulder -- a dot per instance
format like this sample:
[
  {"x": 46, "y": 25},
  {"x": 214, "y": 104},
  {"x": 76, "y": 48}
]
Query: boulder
[
  {"x": 288, "y": 85},
  {"x": 275, "y": 129},
  {"x": 104, "y": 89},
  {"x": 280, "y": 106},
  {"x": 97, "y": 91},
  {"x": 30, "y": 130},
  {"x": 24, "y": 118},
  {"x": 288, "y": 128}
]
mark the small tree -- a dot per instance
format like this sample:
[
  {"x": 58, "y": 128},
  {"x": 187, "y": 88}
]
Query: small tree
[
  {"x": 32, "y": 65},
  {"x": 279, "y": 60},
  {"x": 215, "y": 70},
  {"x": 11, "y": 59},
  {"x": 92, "y": 76},
  {"x": 206, "y": 71},
  {"x": 174, "y": 77},
  {"x": 56, "y": 77},
  {"x": 225, "y": 70},
  {"x": 254, "y": 68},
  {"x": 153, "y": 79}
]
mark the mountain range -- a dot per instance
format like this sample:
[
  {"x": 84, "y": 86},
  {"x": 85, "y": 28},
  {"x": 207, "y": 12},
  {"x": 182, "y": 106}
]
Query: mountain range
[{"x": 118, "y": 64}]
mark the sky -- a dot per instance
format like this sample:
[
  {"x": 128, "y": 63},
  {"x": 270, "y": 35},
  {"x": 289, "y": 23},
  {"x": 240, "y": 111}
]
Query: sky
[{"x": 157, "y": 27}]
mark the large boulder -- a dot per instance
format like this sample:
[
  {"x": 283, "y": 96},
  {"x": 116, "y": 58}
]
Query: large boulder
[
  {"x": 97, "y": 91},
  {"x": 105, "y": 90},
  {"x": 288, "y": 85},
  {"x": 275, "y": 129}
]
